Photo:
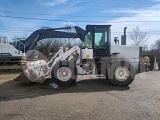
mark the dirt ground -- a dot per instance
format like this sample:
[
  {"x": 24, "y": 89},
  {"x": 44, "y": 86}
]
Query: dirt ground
[{"x": 87, "y": 100}]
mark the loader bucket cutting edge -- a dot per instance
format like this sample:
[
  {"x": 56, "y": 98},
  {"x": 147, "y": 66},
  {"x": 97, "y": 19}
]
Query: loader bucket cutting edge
[{"x": 22, "y": 78}]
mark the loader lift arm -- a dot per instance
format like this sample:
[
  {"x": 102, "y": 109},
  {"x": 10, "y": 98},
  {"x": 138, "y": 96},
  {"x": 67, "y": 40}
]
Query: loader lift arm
[{"x": 40, "y": 34}]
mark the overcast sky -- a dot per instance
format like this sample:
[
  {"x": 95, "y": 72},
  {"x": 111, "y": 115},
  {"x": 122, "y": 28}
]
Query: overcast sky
[{"x": 17, "y": 17}]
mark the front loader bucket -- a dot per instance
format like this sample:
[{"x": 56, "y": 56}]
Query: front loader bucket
[{"x": 22, "y": 78}]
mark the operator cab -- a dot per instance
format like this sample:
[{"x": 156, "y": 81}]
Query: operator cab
[{"x": 98, "y": 38}]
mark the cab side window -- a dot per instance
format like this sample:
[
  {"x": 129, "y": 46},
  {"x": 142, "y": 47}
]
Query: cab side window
[{"x": 100, "y": 38}]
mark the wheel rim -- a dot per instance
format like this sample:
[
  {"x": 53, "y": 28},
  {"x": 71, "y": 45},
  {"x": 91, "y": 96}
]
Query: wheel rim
[
  {"x": 64, "y": 74},
  {"x": 122, "y": 73}
]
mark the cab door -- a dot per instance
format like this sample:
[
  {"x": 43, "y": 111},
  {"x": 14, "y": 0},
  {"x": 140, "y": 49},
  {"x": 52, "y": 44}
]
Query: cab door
[{"x": 101, "y": 44}]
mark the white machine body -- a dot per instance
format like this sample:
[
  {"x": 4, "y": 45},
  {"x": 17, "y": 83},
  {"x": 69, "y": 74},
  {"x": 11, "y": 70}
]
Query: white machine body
[
  {"x": 127, "y": 53},
  {"x": 41, "y": 68}
]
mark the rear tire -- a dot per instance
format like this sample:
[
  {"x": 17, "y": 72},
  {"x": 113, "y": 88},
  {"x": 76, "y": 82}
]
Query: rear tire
[
  {"x": 123, "y": 73},
  {"x": 64, "y": 73}
]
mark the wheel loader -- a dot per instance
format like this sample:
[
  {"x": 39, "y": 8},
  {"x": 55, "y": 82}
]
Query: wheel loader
[{"x": 118, "y": 63}]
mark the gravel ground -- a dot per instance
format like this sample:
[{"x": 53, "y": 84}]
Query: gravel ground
[{"x": 91, "y": 98}]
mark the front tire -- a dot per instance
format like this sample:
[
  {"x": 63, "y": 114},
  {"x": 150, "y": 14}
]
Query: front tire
[
  {"x": 123, "y": 73},
  {"x": 64, "y": 73}
]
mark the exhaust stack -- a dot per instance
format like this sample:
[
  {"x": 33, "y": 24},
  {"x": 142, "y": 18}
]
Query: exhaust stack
[{"x": 123, "y": 37}]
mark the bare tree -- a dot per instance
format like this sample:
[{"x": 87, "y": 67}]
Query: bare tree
[
  {"x": 48, "y": 46},
  {"x": 51, "y": 45},
  {"x": 138, "y": 36},
  {"x": 144, "y": 47},
  {"x": 157, "y": 44},
  {"x": 71, "y": 41},
  {"x": 154, "y": 50}
]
